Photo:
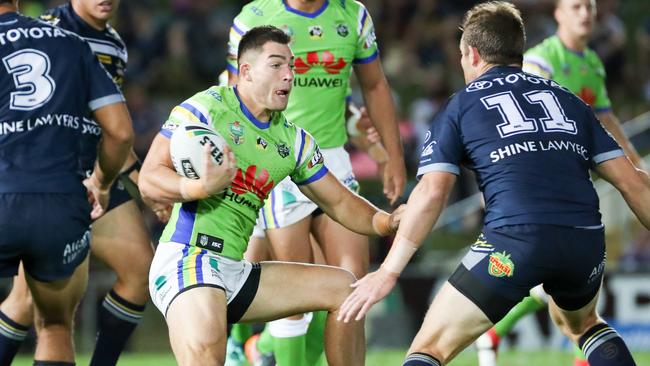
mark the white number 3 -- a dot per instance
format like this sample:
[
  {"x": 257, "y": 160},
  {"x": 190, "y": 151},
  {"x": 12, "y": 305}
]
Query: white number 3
[{"x": 30, "y": 70}]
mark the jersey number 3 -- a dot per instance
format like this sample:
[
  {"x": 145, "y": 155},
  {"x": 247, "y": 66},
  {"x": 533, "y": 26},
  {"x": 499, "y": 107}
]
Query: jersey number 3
[
  {"x": 30, "y": 70},
  {"x": 516, "y": 122}
]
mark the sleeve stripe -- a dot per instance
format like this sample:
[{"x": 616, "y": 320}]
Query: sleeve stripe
[
  {"x": 366, "y": 60},
  {"x": 438, "y": 167},
  {"x": 95, "y": 104},
  {"x": 363, "y": 15},
  {"x": 231, "y": 68},
  {"x": 318, "y": 175},
  {"x": 608, "y": 156},
  {"x": 184, "y": 115},
  {"x": 301, "y": 138},
  {"x": 166, "y": 133},
  {"x": 602, "y": 109},
  {"x": 197, "y": 111},
  {"x": 539, "y": 62},
  {"x": 236, "y": 29}
]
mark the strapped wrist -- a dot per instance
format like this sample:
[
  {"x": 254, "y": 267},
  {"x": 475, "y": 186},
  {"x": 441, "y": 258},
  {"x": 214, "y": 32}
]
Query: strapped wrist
[
  {"x": 192, "y": 189},
  {"x": 399, "y": 255}
]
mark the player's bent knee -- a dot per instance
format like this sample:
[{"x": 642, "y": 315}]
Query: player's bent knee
[{"x": 339, "y": 287}]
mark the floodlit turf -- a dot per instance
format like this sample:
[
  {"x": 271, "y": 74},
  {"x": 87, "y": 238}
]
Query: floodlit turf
[{"x": 382, "y": 358}]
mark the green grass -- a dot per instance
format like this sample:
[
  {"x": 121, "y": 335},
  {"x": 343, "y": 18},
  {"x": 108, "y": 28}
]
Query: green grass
[{"x": 381, "y": 358}]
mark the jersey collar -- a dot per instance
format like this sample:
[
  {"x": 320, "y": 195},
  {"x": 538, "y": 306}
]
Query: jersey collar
[
  {"x": 500, "y": 69},
  {"x": 259, "y": 124},
  {"x": 304, "y": 14},
  {"x": 8, "y": 17}
]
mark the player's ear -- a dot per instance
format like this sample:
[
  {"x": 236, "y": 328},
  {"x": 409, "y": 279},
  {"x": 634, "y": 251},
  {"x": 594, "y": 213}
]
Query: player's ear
[
  {"x": 245, "y": 71},
  {"x": 474, "y": 56}
]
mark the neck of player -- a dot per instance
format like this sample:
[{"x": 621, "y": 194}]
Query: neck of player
[
  {"x": 7, "y": 8},
  {"x": 572, "y": 42},
  {"x": 307, "y": 6},
  {"x": 257, "y": 109},
  {"x": 96, "y": 23}
]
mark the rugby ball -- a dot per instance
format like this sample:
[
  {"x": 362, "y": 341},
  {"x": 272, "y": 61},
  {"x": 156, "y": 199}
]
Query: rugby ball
[{"x": 186, "y": 148}]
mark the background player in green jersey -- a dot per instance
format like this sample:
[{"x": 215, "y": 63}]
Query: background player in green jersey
[
  {"x": 329, "y": 39},
  {"x": 200, "y": 289},
  {"x": 565, "y": 58}
]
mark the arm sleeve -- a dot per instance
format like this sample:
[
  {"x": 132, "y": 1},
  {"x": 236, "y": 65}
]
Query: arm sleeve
[
  {"x": 443, "y": 147},
  {"x": 603, "y": 145},
  {"x": 310, "y": 165},
  {"x": 367, "y": 49},
  {"x": 537, "y": 65}
]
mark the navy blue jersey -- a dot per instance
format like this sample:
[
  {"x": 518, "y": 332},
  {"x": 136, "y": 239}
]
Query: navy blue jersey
[
  {"x": 49, "y": 80},
  {"x": 111, "y": 52},
  {"x": 531, "y": 144}
]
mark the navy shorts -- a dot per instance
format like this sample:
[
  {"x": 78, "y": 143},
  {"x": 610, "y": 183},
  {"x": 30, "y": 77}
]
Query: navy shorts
[
  {"x": 505, "y": 263},
  {"x": 124, "y": 188},
  {"x": 49, "y": 232}
]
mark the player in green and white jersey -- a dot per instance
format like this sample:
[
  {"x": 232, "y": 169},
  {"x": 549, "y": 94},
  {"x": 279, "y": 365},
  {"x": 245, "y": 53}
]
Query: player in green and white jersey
[
  {"x": 565, "y": 58},
  {"x": 329, "y": 38},
  {"x": 198, "y": 278}
]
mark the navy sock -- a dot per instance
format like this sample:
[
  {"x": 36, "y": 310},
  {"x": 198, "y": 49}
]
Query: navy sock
[
  {"x": 52, "y": 363},
  {"x": 12, "y": 336},
  {"x": 421, "y": 359},
  {"x": 117, "y": 320},
  {"x": 603, "y": 346}
]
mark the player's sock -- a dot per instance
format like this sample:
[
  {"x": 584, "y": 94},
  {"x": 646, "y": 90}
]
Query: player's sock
[
  {"x": 12, "y": 336},
  {"x": 289, "y": 340},
  {"x": 316, "y": 338},
  {"x": 579, "y": 358},
  {"x": 603, "y": 346},
  {"x": 528, "y": 305},
  {"x": 117, "y": 320},
  {"x": 241, "y": 332},
  {"x": 52, "y": 363},
  {"x": 421, "y": 359},
  {"x": 486, "y": 348},
  {"x": 265, "y": 342}
]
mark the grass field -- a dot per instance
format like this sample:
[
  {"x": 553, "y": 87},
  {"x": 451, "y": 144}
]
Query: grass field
[{"x": 383, "y": 358}]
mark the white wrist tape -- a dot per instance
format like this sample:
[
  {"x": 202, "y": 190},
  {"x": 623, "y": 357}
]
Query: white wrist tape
[
  {"x": 399, "y": 255},
  {"x": 191, "y": 189}
]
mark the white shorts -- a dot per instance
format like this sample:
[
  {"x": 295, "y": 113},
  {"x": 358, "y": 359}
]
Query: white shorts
[
  {"x": 287, "y": 205},
  {"x": 177, "y": 268}
]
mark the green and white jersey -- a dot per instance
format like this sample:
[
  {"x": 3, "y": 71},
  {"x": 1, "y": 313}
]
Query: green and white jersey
[
  {"x": 325, "y": 44},
  {"x": 582, "y": 73},
  {"x": 266, "y": 153}
]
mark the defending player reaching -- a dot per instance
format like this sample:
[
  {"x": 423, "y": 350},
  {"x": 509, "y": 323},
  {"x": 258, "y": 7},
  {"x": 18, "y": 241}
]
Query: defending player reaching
[
  {"x": 531, "y": 143},
  {"x": 329, "y": 39},
  {"x": 44, "y": 211},
  {"x": 565, "y": 58},
  {"x": 198, "y": 278},
  {"x": 120, "y": 238}
]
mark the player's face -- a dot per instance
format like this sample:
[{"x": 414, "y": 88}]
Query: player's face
[
  {"x": 272, "y": 74},
  {"x": 99, "y": 9},
  {"x": 576, "y": 16}
]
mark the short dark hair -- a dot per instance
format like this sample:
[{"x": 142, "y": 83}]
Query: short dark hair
[
  {"x": 497, "y": 31},
  {"x": 257, "y": 37}
]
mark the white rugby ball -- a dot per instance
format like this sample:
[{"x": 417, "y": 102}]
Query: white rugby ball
[{"x": 186, "y": 148}]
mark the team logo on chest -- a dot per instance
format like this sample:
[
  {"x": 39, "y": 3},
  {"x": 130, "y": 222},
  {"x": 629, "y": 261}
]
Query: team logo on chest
[
  {"x": 237, "y": 133},
  {"x": 261, "y": 143},
  {"x": 315, "y": 32},
  {"x": 283, "y": 149},
  {"x": 342, "y": 30}
]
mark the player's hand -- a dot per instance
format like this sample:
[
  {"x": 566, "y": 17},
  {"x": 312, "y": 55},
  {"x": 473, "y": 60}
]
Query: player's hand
[
  {"x": 368, "y": 291},
  {"x": 394, "y": 179},
  {"x": 163, "y": 211},
  {"x": 97, "y": 196},
  {"x": 217, "y": 177},
  {"x": 396, "y": 217},
  {"x": 373, "y": 136}
]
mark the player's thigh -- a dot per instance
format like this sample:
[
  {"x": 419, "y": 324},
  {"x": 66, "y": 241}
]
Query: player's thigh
[
  {"x": 259, "y": 248},
  {"x": 452, "y": 322},
  {"x": 197, "y": 319},
  {"x": 56, "y": 301},
  {"x": 291, "y": 288},
  {"x": 120, "y": 239},
  {"x": 341, "y": 247},
  {"x": 291, "y": 243}
]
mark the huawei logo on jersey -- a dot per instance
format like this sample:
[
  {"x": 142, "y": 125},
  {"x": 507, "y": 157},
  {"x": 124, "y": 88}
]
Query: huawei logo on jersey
[
  {"x": 250, "y": 182},
  {"x": 587, "y": 95},
  {"x": 326, "y": 59}
]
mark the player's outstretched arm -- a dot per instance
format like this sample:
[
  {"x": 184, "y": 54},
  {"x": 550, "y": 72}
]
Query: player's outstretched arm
[
  {"x": 160, "y": 184},
  {"x": 112, "y": 152},
  {"x": 633, "y": 183},
  {"x": 349, "y": 209},
  {"x": 613, "y": 126},
  {"x": 422, "y": 211},
  {"x": 381, "y": 109}
]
